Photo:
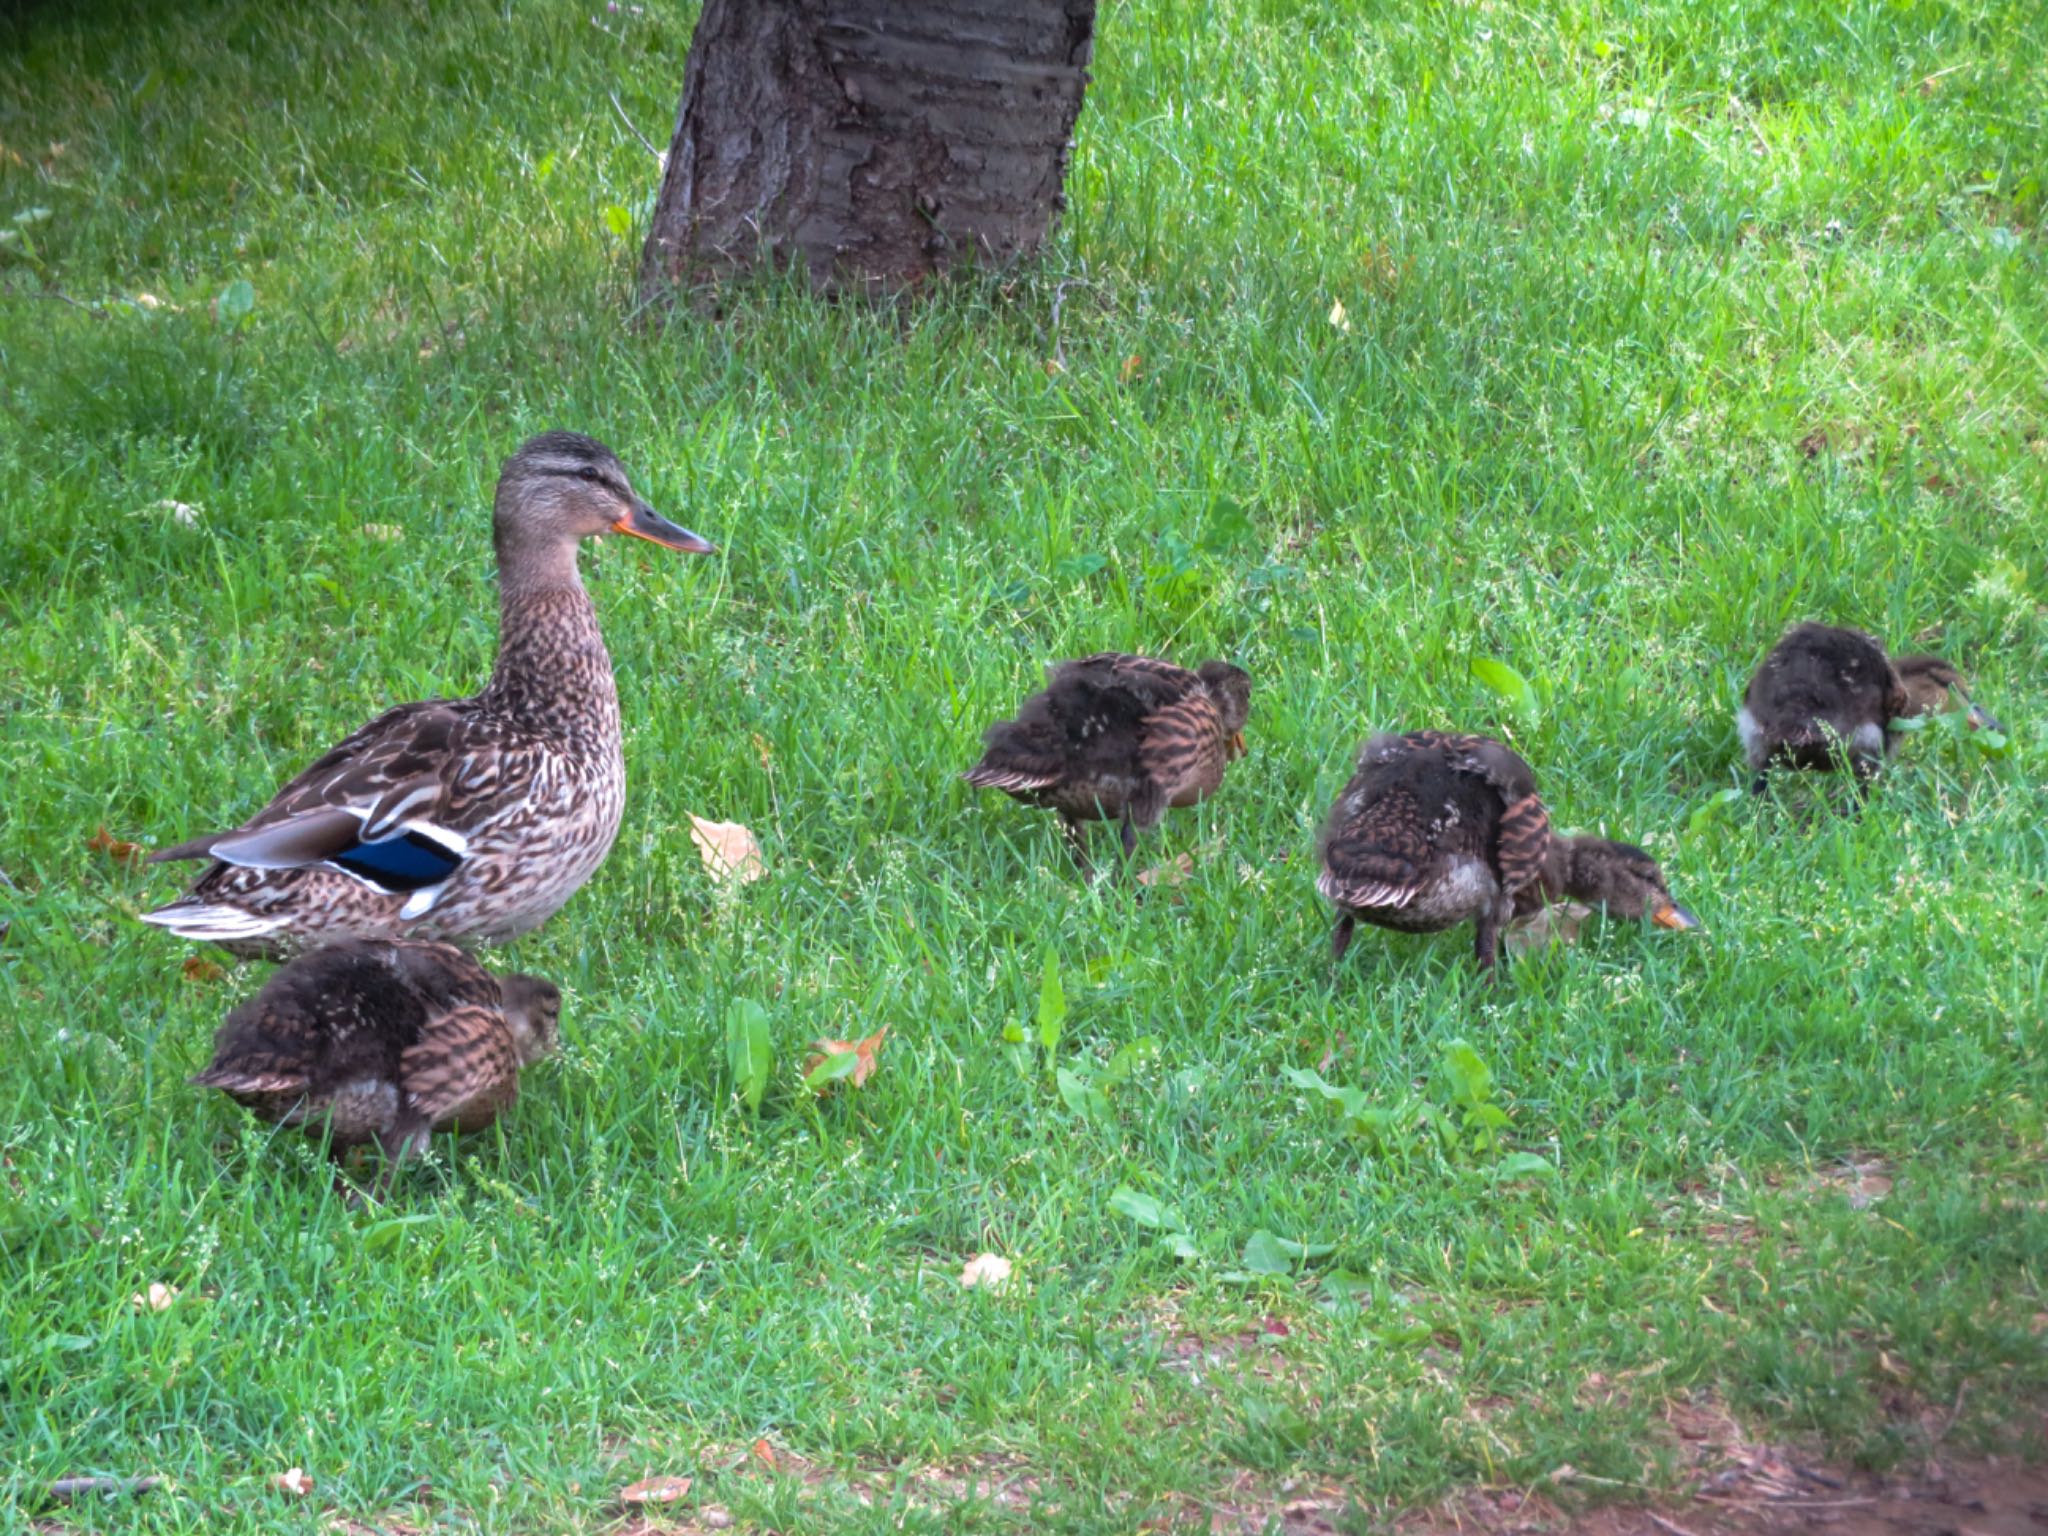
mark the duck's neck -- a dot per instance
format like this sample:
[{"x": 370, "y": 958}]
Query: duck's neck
[{"x": 553, "y": 673}]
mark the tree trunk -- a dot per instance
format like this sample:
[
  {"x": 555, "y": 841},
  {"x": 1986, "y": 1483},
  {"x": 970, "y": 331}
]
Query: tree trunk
[{"x": 874, "y": 141}]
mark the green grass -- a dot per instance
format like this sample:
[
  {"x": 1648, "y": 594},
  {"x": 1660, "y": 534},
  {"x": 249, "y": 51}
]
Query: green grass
[{"x": 1605, "y": 268}]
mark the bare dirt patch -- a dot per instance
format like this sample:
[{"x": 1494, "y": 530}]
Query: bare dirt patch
[{"x": 1734, "y": 1486}]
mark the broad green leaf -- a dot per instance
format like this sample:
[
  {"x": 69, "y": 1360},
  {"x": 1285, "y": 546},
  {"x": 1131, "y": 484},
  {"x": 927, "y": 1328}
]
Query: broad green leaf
[
  {"x": 1344, "y": 1284},
  {"x": 830, "y": 1069},
  {"x": 618, "y": 220},
  {"x": 1710, "y": 809},
  {"x": 236, "y": 302},
  {"x": 1081, "y": 1095},
  {"x": 1908, "y": 724},
  {"x": 1264, "y": 1255},
  {"x": 1181, "y": 1246},
  {"x": 1311, "y": 1251},
  {"x": 1052, "y": 1003},
  {"x": 1144, "y": 1210},
  {"x": 1991, "y": 743},
  {"x": 749, "y": 1050},
  {"x": 1524, "y": 1165},
  {"x": 1144, "y": 1048},
  {"x": 1471, "y": 1079},
  {"x": 1507, "y": 682},
  {"x": 380, "y": 1235}
]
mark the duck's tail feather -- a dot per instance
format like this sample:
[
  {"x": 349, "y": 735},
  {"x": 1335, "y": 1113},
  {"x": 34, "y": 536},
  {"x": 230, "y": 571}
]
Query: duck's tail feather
[
  {"x": 213, "y": 922},
  {"x": 1016, "y": 758},
  {"x": 191, "y": 848}
]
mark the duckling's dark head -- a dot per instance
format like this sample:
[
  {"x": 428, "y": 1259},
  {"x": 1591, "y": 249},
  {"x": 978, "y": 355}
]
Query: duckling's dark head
[
  {"x": 533, "y": 1009},
  {"x": 1929, "y": 681},
  {"x": 1620, "y": 877},
  {"x": 561, "y": 487},
  {"x": 1231, "y": 688}
]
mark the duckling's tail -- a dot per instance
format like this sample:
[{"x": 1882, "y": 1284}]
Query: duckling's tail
[{"x": 1016, "y": 759}]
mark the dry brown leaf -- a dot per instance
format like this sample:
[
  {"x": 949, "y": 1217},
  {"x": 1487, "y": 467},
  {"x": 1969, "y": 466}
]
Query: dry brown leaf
[
  {"x": 200, "y": 969},
  {"x": 764, "y": 1453},
  {"x": 156, "y": 1299},
  {"x": 1054, "y": 367},
  {"x": 1558, "y": 923},
  {"x": 294, "y": 1482},
  {"x": 1133, "y": 365},
  {"x": 105, "y": 842},
  {"x": 866, "y": 1050},
  {"x": 1175, "y": 871},
  {"x": 728, "y": 849},
  {"x": 655, "y": 1490},
  {"x": 761, "y": 750},
  {"x": 990, "y": 1271}
]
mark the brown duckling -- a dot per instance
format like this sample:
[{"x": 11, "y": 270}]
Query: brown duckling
[
  {"x": 1119, "y": 738},
  {"x": 384, "y": 1041},
  {"x": 1436, "y": 829},
  {"x": 1825, "y": 694}
]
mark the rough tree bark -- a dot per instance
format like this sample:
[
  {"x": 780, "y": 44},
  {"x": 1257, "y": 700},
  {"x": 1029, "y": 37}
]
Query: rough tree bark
[{"x": 874, "y": 142}]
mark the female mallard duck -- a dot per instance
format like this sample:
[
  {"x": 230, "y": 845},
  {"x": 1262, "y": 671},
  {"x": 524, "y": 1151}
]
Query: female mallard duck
[
  {"x": 1435, "y": 829},
  {"x": 456, "y": 817},
  {"x": 1825, "y": 694},
  {"x": 1119, "y": 738},
  {"x": 388, "y": 1041}
]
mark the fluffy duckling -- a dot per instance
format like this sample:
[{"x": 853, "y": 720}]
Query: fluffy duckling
[
  {"x": 1119, "y": 738},
  {"x": 383, "y": 1041},
  {"x": 1436, "y": 829},
  {"x": 1826, "y": 693}
]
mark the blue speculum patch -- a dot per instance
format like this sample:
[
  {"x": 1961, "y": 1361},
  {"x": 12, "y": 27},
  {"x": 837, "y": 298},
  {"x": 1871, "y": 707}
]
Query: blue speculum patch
[{"x": 407, "y": 862}]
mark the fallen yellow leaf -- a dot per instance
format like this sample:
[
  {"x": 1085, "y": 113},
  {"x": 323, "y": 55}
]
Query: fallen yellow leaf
[
  {"x": 156, "y": 1299},
  {"x": 1173, "y": 872},
  {"x": 1339, "y": 319},
  {"x": 1558, "y": 923},
  {"x": 1131, "y": 368},
  {"x": 655, "y": 1490},
  {"x": 990, "y": 1271},
  {"x": 729, "y": 850},
  {"x": 113, "y": 847},
  {"x": 294, "y": 1482}
]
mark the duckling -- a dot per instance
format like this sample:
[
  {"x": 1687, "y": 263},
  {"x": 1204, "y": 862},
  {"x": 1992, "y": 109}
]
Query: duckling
[
  {"x": 1437, "y": 828},
  {"x": 455, "y": 818},
  {"x": 1119, "y": 738},
  {"x": 385, "y": 1041},
  {"x": 1825, "y": 693}
]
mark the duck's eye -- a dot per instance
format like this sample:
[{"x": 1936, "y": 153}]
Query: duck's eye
[{"x": 589, "y": 472}]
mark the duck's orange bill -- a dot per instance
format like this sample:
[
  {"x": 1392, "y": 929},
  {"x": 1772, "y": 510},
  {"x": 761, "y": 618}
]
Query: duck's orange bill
[
  {"x": 643, "y": 522},
  {"x": 1672, "y": 915}
]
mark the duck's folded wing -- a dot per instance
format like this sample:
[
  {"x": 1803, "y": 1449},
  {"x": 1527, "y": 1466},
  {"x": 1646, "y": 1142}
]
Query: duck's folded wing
[
  {"x": 1179, "y": 742},
  {"x": 1147, "y": 682},
  {"x": 1500, "y": 766},
  {"x": 388, "y": 840},
  {"x": 463, "y": 1055},
  {"x": 1017, "y": 756},
  {"x": 1523, "y": 844},
  {"x": 1373, "y": 857},
  {"x": 384, "y": 805}
]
